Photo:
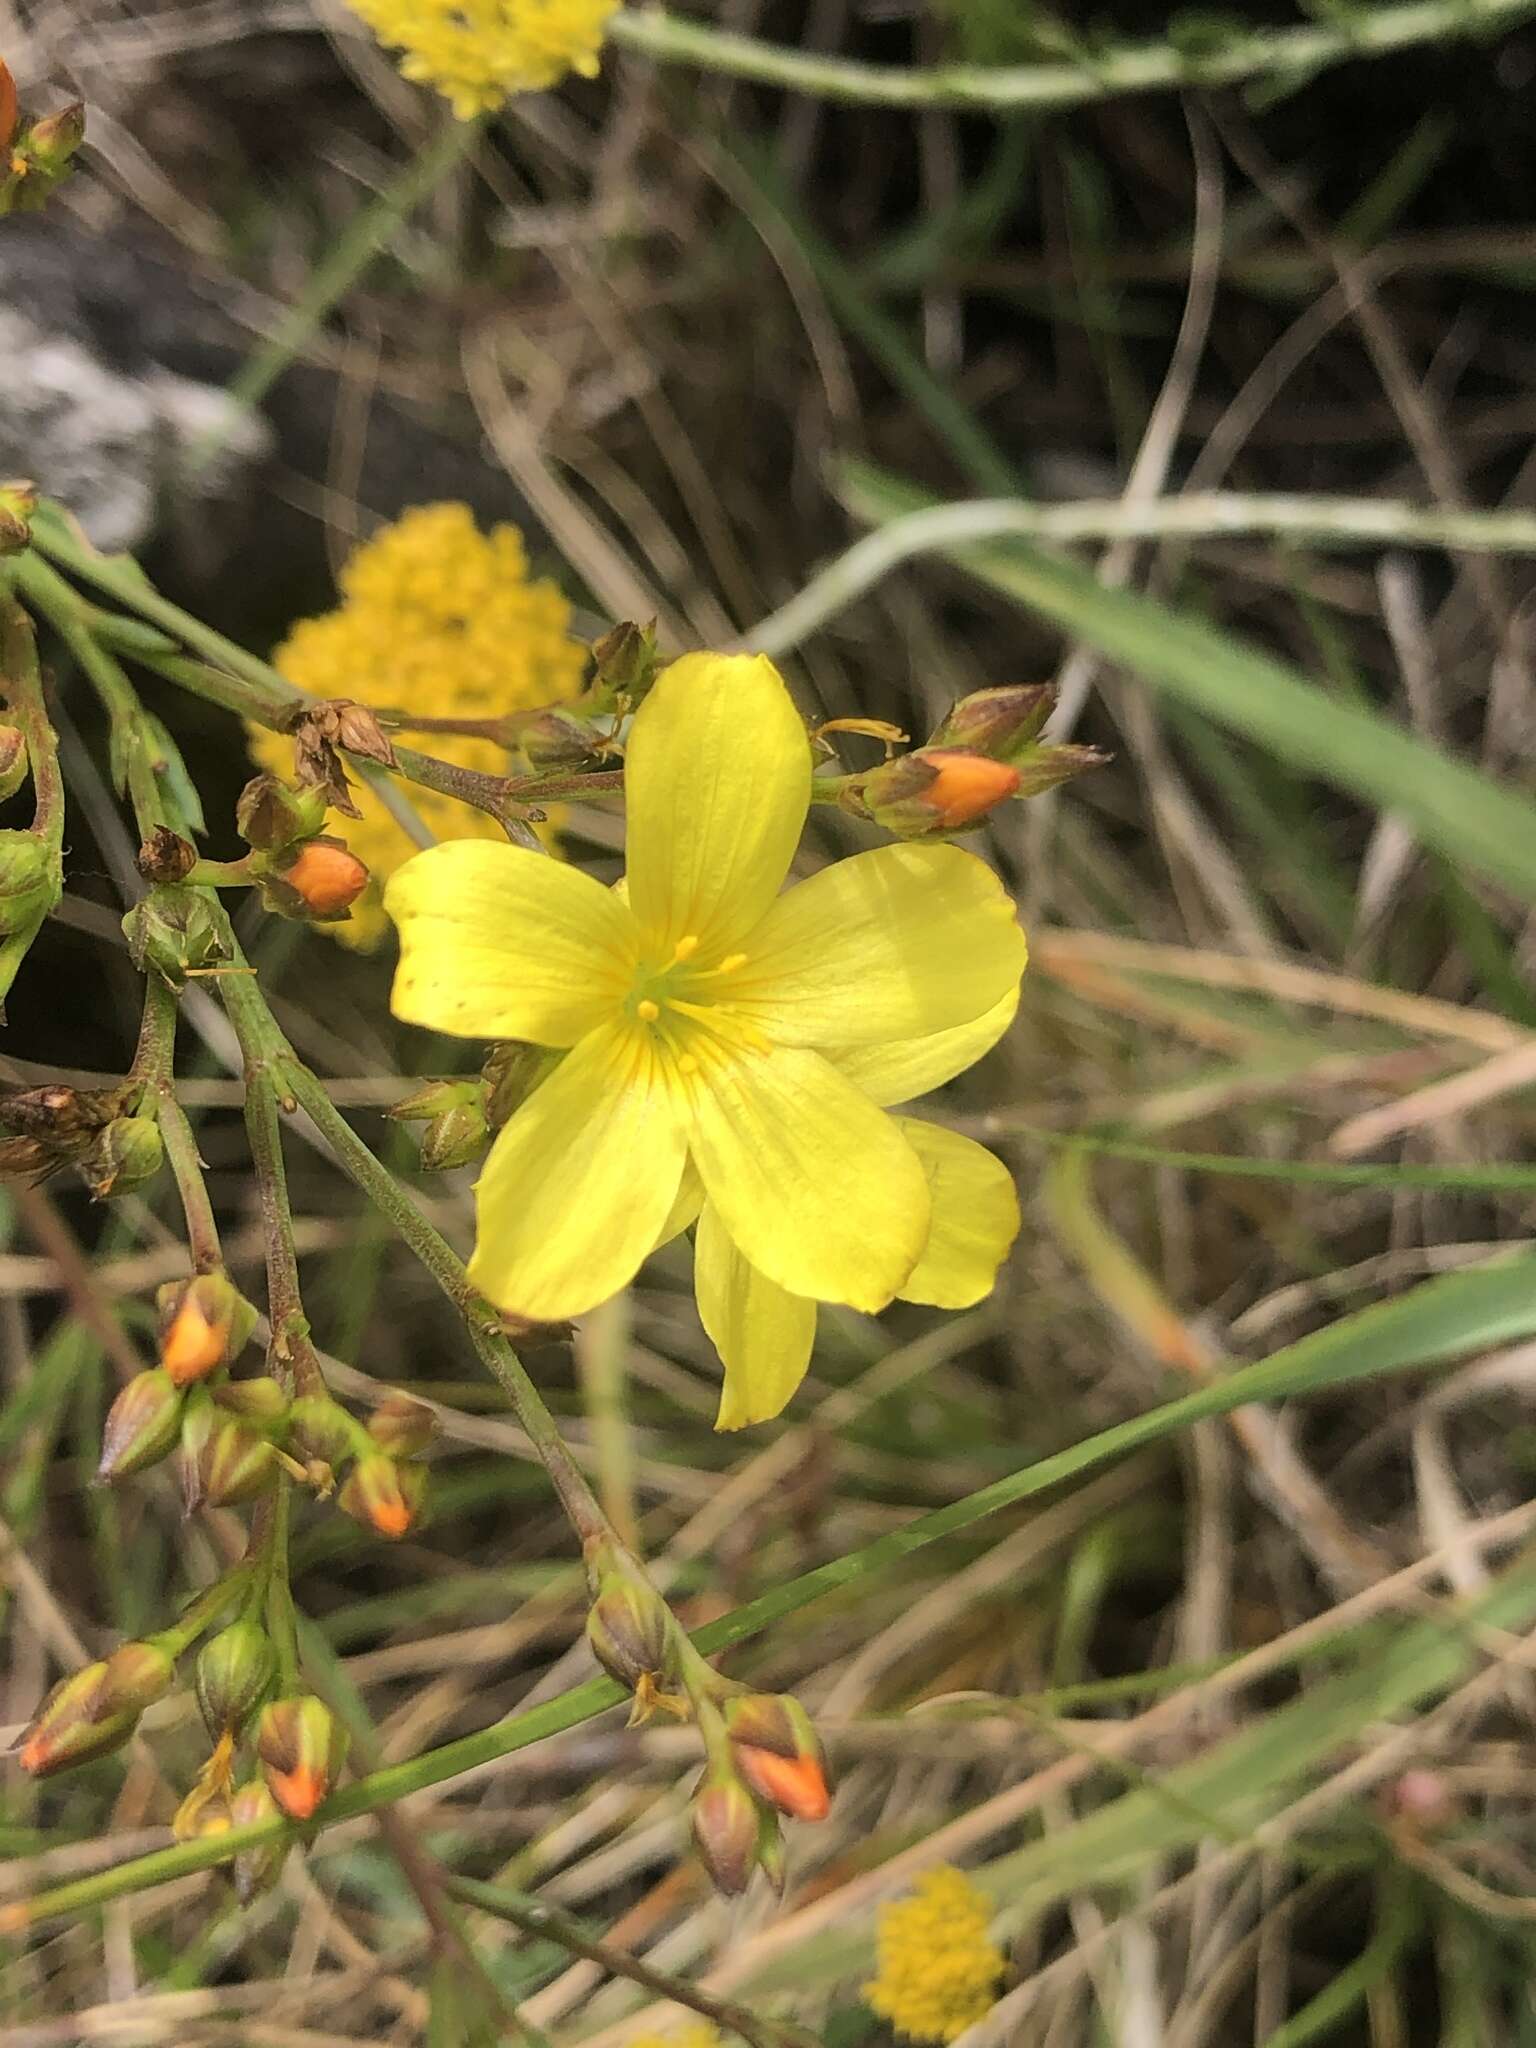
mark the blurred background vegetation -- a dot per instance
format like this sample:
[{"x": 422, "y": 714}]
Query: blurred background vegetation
[{"x": 1230, "y": 1721}]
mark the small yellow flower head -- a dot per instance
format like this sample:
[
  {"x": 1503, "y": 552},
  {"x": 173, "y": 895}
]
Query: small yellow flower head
[
  {"x": 440, "y": 619},
  {"x": 479, "y": 52},
  {"x": 938, "y": 1973}
]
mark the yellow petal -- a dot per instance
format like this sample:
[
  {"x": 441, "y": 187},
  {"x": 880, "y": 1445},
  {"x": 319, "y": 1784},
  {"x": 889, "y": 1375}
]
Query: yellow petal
[
  {"x": 896, "y": 943},
  {"x": 975, "y": 1217},
  {"x": 717, "y": 782},
  {"x": 819, "y": 1189},
  {"x": 763, "y": 1335},
  {"x": 501, "y": 942},
  {"x": 684, "y": 1212},
  {"x": 580, "y": 1181},
  {"x": 906, "y": 1067}
]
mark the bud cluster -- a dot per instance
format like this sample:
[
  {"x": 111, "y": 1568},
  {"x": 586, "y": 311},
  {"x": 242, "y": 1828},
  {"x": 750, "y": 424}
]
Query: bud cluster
[
  {"x": 202, "y": 1324},
  {"x": 986, "y": 750},
  {"x": 174, "y": 931},
  {"x": 461, "y": 1116},
  {"x": 386, "y": 1488},
  {"x": 43, "y": 1129},
  {"x": 34, "y": 155},
  {"x": 301, "y": 872},
  {"x": 765, "y": 1760}
]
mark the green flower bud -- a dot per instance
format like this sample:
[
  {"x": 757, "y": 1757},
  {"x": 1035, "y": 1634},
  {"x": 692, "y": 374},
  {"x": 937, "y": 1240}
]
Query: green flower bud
[
  {"x": 456, "y": 1138},
  {"x": 175, "y": 932},
  {"x": 402, "y": 1427},
  {"x": 137, "y": 1674},
  {"x": 435, "y": 1099},
  {"x": 18, "y": 501},
  {"x": 511, "y": 1072},
  {"x": 30, "y": 884},
  {"x": 320, "y": 1428},
  {"x": 997, "y": 722},
  {"x": 123, "y": 1157},
  {"x": 628, "y": 1629},
  {"x": 223, "y": 1461},
  {"x": 555, "y": 738},
  {"x": 1042, "y": 768},
  {"x": 625, "y": 662},
  {"x": 259, "y": 1400},
  {"x": 142, "y": 1425},
  {"x": 271, "y": 814},
  {"x": 234, "y": 1670}
]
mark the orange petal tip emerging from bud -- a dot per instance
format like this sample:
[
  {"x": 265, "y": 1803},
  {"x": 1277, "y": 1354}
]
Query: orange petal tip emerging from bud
[
  {"x": 965, "y": 786},
  {"x": 326, "y": 878},
  {"x": 299, "y": 1791},
  {"x": 796, "y": 1785}
]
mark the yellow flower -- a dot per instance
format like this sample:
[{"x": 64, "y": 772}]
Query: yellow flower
[
  {"x": 728, "y": 1045},
  {"x": 478, "y": 52},
  {"x": 439, "y": 619},
  {"x": 937, "y": 1972}
]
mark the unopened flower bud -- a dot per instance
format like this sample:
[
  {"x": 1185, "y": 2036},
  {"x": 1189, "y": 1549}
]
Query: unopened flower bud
[
  {"x": 18, "y": 501},
  {"x": 625, "y": 661},
  {"x": 234, "y": 1670},
  {"x": 432, "y": 1100},
  {"x": 204, "y": 1322},
  {"x": 223, "y": 1461},
  {"x": 175, "y": 932},
  {"x": 402, "y": 1427},
  {"x": 68, "y": 1728},
  {"x": 255, "y": 1870},
  {"x": 13, "y": 741},
  {"x": 137, "y": 1674},
  {"x": 52, "y": 141},
  {"x": 320, "y": 1428},
  {"x": 29, "y": 884},
  {"x": 936, "y": 790},
  {"x": 1043, "y": 768},
  {"x": 165, "y": 856},
  {"x": 556, "y": 738},
  {"x": 629, "y": 1633},
  {"x": 779, "y": 1753},
  {"x": 301, "y": 1745},
  {"x": 726, "y": 1831},
  {"x": 123, "y": 1157},
  {"x": 997, "y": 722},
  {"x": 511, "y": 1072},
  {"x": 259, "y": 1400},
  {"x": 142, "y": 1425},
  {"x": 271, "y": 814},
  {"x": 456, "y": 1138},
  {"x": 316, "y": 882},
  {"x": 384, "y": 1494}
]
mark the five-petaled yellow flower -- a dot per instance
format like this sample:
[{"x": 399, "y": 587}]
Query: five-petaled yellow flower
[{"x": 728, "y": 1047}]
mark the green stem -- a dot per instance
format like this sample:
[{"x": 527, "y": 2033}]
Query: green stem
[
  {"x": 542, "y": 1921},
  {"x": 233, "y": 1585},
  {"x": 21, "y": 684},
  {"x": 1091, "y": 74},
  {"x": 153, "y": 1063},
  {"x": 221, "y": 874}
]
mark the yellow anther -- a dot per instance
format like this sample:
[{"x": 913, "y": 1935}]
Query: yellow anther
[
  {"x": 731, "y": 962},
  {"x": 685, "y": 948},
  {"x": 647, "y": 1011},
  {"x": 688, "y": 1064}
]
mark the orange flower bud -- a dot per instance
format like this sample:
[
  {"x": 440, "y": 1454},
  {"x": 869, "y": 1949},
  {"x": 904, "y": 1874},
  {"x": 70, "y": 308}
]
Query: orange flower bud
[
  {"x": 319, "y": 881},
  {"x": 937, "y": 789},
  {"x": 301, "y": 1745},
  {"x": 70, "y": 1726},
  {"x": 796, "y": 1785},
  {"x": 401, "y": 1426},
  {"x": 384, "y": 1494},
  {"x": 137, "y": 1675},
  {"x": 204, "y": 1321}
]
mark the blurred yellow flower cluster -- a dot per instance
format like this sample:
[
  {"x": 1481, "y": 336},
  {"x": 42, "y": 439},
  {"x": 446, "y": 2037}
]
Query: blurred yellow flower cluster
[
  {"x": 439, "y": 619},
  {"x": 937, "y": 1972},
  {"x": 478, "y": 52}
]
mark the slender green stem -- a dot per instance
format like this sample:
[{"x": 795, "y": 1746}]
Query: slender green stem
[
  {"x": 154, "y": 1064},
  {"x": 1362, "y": 522},
  {"x": 21, "y": 685},
  {"x": 1230, "y": 54},
  {"x": 536, "y": 1917}
]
